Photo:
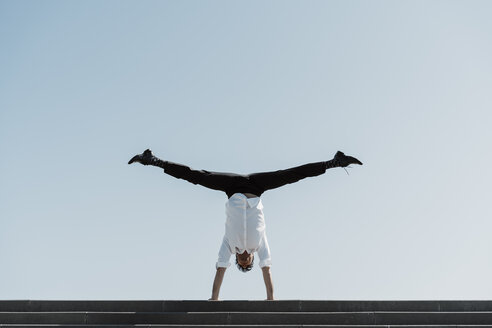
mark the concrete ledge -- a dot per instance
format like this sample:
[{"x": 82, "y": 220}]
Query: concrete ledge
[
  {"x": 224, "y": 326},
  {"x": 290, "y": 313},
  {"x": 249, "y": 318},
  {"x": 253, "y": 306},
  {"x": 245, "y": 326}
]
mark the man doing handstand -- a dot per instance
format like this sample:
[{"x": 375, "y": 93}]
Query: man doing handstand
[{"x": 245, "y": 224}]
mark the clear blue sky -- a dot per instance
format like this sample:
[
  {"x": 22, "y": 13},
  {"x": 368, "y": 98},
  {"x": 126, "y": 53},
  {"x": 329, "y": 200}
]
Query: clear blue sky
[{"x": 244, "y": 87}]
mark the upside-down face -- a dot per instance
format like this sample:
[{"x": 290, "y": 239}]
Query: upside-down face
[{"x": 244, "y": 259}]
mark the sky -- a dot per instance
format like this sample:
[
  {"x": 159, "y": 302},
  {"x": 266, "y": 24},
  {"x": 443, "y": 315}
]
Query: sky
[{"x": 244, "y": 87}]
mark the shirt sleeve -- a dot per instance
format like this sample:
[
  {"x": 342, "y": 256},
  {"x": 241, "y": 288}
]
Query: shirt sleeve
[
  {"x": 264, "y": 253},
  {"x": 224, "y": 255}
]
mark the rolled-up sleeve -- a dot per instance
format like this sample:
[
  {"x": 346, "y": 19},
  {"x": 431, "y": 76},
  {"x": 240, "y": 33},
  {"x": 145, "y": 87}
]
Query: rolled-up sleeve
[
  {"x": 264, "y": 253},
  {"x": 224, "y": 255}
]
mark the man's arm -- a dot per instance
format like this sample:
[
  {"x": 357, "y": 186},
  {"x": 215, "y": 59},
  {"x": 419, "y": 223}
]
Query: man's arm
[
  {"x": 219, "y": 276},
  {"x": 267, "y": 277},
  {"x": 221, "y": 265}
]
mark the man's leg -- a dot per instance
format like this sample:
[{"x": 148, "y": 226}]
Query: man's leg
[
  {"x": 275, "y": 179},
  {"x": 212, "y": 180}
]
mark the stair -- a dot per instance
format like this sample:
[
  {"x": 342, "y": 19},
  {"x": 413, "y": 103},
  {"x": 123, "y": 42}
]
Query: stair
[{"x": 258, "y": 314}]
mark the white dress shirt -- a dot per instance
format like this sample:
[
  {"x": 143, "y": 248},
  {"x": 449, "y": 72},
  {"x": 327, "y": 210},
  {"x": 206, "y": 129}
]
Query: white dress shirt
[{"x": 244, "y": 230}]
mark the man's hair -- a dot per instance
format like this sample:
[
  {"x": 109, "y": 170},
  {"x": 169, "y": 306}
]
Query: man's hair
[{"x": 246, "y": 269}]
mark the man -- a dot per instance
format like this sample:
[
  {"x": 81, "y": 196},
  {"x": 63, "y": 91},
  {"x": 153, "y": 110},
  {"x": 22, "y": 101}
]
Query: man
[{"x": 245, "y": 224}]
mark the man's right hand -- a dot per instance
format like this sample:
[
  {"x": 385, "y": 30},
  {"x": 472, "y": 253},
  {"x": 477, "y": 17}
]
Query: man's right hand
[{"x": 219, "y": 276}]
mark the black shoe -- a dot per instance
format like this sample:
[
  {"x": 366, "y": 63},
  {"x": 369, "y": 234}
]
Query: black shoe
[
  {"x": 144, "y": 158},
  {"x": 342, "y": 160}
]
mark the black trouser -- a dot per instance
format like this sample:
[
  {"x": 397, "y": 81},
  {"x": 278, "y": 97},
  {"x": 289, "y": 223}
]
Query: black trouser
[{"x": 255, "y": 183}]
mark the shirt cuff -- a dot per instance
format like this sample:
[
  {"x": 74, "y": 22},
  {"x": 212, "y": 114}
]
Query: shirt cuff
[
  {"x": 222, "y": 265},
  {"x": 265, "y": 263}
]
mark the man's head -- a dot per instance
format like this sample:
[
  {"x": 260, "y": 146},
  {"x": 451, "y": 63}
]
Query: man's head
[{"x": 244, "y": 261}]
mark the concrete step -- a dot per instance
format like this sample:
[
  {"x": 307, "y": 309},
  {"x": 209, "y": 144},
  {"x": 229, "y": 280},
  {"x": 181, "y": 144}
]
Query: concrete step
[
  {"x": 293, "y": 313},
  {"x": 246, "y": 326},
  {"x": 252, "y": 306},
  {"x": 249, "y": 318}
]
